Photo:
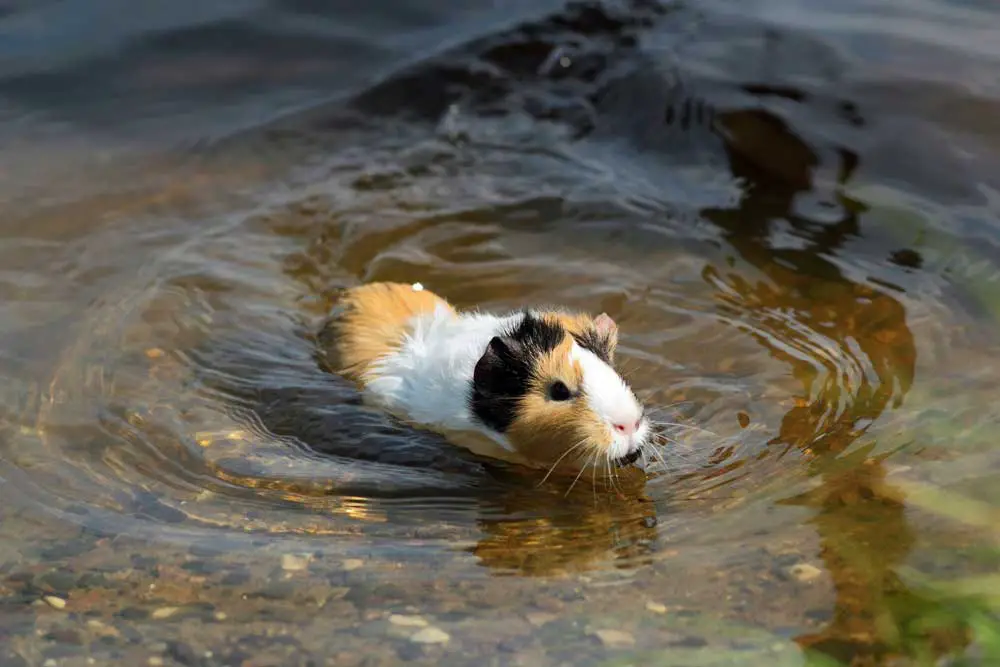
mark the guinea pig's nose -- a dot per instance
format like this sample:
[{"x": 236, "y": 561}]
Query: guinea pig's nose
[{"x": 627, "y": 429}]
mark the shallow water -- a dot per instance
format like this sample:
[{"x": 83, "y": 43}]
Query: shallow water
[{"x": 791, "y": 210}]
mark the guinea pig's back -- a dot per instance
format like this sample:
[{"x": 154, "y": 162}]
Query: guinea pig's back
[{"x": 371, "y": 321}]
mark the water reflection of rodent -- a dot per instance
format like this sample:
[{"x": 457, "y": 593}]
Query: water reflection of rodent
[{"x": 542, "y": 531}]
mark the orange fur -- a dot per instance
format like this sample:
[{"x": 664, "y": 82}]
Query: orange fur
[{"x": 373, "y": 322}]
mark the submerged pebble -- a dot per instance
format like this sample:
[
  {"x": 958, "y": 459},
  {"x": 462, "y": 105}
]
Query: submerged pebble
[
  {"x": 614, "y": 638},
  {"x": 408, "y": 621},
  {"x": 54, "y": 601},
  {"x": 804, "y": 572},
  {"x": 294, "y": 563},
  {"x": 431, "y": 635},
  {"x": 163, "y": 612}
]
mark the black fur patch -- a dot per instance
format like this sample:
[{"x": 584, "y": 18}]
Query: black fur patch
[
  {"x": 596, "y": 343},
  {"x": 503, "y": 373}
]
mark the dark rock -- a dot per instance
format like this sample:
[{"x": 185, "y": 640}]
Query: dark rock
[
  {"x": 58, "y": 581},
  {"x": 514, "y": 644},
  {"x": 68, "y": 549},
  {"x": 148, "y": 506},
  {"x": 410, "y": 651},
  {"x": 131, "y": 635},
  {"x": 140, "y": 562},
  {"x": 819, "y": 615},
  {"x": 133, "y": 614},
  {"x": 235, "y": 579},
  {"x": 183, "y": 653},
  {"x": 907, "y": 258},
  {"x": 20, "y": 577},
  {"x": 277, "y": 590},
  {"x": 452, "y": 616},
  {"x": 92, "y": 580},
  {"x": 59, "y": 651},
  {"x": 690, "y": 641},
  {"x": 65, "y": 636},
  {"x": 201, "y": 567},
  {"x": 203, "y": 551}
]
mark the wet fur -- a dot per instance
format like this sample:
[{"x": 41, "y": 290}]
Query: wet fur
[{"x": 495, "y": 382}]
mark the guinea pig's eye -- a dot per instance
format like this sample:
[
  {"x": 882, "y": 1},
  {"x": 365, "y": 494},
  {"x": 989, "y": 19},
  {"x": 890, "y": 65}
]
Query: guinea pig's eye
[{"x": 558, "y": 391}]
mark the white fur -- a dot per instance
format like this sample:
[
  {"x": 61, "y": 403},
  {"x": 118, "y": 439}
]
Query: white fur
[
  {"x": 429, "y": 377},
  {"x": 612, "y": 400}
]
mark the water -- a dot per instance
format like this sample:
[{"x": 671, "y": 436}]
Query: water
[{"x": 791, "y": 211}]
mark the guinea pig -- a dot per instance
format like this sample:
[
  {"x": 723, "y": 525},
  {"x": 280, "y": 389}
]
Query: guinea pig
[{"x": 537, "y": 386}]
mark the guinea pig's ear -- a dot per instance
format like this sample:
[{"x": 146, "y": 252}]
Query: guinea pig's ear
[
  {"x": 498, "y": 355},
  {"x": 607, "y": 329},
  {"x": 502, "y": 348}
]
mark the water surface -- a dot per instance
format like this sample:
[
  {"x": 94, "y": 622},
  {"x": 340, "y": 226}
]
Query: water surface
[{"x": 790, "y": 210}]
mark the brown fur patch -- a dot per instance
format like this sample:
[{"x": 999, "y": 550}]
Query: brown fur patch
[{"x": 373, "y": 321}]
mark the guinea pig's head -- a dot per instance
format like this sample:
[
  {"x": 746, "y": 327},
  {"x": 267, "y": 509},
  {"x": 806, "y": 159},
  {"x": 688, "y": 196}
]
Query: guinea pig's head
[{"x": 548, "y": 384}]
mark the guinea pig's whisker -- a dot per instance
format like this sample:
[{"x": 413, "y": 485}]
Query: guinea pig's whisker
[
  {"x": 666, "y": 439},
  {"x": 655, "y": 452},
  {"x": 593, "y": 474},
  {"x": 674, "y": 404},
  {"x": 687, "y": 426},
  {"x": 615, "y": 485},
  {"x": 565, "y": 454},
  {"x": 577, "y": 478}
]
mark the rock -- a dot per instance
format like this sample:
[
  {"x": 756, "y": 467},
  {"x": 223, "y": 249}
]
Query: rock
[
  {"x": 202, "y": 567},
  {"x": 410, "y": 652},
  {"x": 92, "y": 580},
  {"x": 235, "y": 579},
  {"x": 690, "y": 641},
  {"x": 408, "y": 621},
  {"x": 294, "y": 563},
  {"x": 352, "y": 564},
  {"x": 155, "y": 661},
  {"x": 656, "y": 607},
  {"x": 132, "y": 614},
  {"x": 58, "y": 582},
  {"x": 182, "y": 653},
  {"x": 276, "y": 590},
  {"x": 431, "y": 635},
  {"x": 64, "y": 636},
  {"x": 614, "y": 638},
  {"x": 54, "y": 601},
  {"x": 163, "y": 612},
  {"x": 804, "y": 572},
  {"x": 513, "y": 644},
  {"x": 102, "y": 629},
  {"x": 540, "y": 618}
]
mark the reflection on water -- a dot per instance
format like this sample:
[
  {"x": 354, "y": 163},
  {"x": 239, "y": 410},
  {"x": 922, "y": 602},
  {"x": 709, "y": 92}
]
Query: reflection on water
[
  {"x": 851, "y": 348},
  {"x": 178, "y": 463}
]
